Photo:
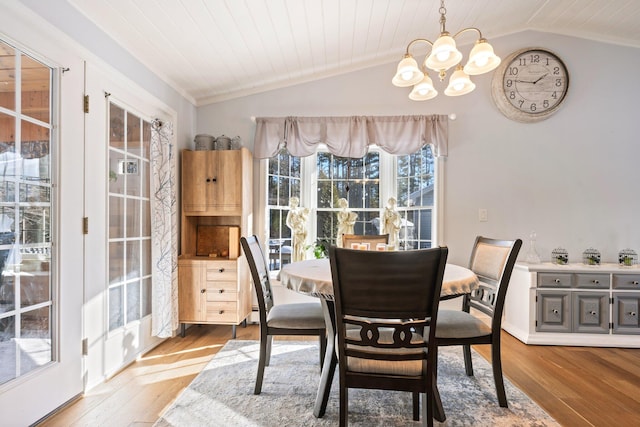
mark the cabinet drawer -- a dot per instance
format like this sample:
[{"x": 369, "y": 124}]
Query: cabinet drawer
[
  {"x": 223, "y": 311},
  {"x": 626, "y": 281},
  {"x": 222, "y": 271},
  {"x": 554, "y": 280},
  {"x": 222, "y": 291},
  {"x": 591, "y": 280}
]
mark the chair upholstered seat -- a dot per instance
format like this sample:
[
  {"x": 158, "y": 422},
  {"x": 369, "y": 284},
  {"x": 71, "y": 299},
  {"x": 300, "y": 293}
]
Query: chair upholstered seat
[
  {"x": 460, "y": 324},
  {"x": 296, "y": 316}
]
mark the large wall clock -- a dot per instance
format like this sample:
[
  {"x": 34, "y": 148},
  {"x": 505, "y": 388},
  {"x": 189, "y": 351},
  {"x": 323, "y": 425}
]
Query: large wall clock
[{"x": 530, "y": 85}]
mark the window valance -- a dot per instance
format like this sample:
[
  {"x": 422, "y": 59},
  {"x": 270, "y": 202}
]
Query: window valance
[{"x": 350, "y": 136}]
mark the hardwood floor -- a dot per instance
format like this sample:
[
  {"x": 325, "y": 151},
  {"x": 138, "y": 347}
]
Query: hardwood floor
[{"x": 578, "y": 386}]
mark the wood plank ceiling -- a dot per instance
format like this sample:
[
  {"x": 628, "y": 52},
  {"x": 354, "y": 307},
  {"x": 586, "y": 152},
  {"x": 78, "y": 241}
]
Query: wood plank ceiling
[{"x": 212, "y": 50}]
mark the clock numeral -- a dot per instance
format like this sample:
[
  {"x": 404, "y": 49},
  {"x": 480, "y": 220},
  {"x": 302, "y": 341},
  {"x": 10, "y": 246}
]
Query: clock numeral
[
  {"x": 558, "y": 82},
  {"x": 512, "y": 95},
  {"x": 556, "y": 70},
  {"x": 508, "y": 83},
  {"x": 521, "y": 102},
  {"x": 554, "y": 95},
  {"x": 535, "y": 58},
  {"x": 545, "y": 103},
  {"x": 533, "y": 107},
  {"x": 522, "y": 62},
  {"x": 513, "y": 71}
]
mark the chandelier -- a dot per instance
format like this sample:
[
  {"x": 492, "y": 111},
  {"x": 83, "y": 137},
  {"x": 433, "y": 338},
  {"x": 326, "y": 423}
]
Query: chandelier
[{"x": 442, "y": 57}]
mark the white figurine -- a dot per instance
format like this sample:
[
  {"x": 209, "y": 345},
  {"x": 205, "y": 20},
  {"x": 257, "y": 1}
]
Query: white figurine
[
  {"x": 346, "y": 221},
  {"x": 391, "y": 222},
  {"x": 297, "y": 222}
]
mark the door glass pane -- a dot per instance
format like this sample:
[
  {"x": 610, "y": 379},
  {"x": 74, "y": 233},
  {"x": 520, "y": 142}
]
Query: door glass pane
[
  {"x": 34, "y": 344},
  {"x": 36, "y": 89},
  {"x": 116, "y": 217},
  {"x": 26, "y": 297}
]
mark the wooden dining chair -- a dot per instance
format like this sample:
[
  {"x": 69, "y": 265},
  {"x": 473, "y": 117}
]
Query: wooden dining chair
[
  {"x": 280, "y": 319},
  {"x": 384, "y": 301},
  {"x": 492, "y": 261},
  {"x": 371, "y": 240}
]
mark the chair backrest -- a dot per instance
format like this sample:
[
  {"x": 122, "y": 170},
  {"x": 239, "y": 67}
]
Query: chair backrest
[
  {"x": 259, "y": 274},
  {"x": 492, "y": 260},
  {"x": 369, "y": 240},
  {"x": 377, "y": 291}
]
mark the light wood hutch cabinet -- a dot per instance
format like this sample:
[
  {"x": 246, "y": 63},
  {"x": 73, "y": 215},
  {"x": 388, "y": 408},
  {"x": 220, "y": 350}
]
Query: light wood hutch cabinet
[
  {"x": 213, "y": 276},
  {"x": 574, "y": 304}
]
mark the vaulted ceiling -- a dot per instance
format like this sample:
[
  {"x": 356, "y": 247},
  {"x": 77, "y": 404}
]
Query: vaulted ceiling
[{"x": 212, "y": 50}]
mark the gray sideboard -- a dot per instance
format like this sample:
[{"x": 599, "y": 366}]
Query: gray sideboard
[{"x": 574, "y": 305}]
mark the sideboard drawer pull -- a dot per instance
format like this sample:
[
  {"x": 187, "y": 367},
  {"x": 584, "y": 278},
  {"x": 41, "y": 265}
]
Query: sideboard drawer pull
[
  {"x": 221, "y": 290},
  {"x": 221, "y": 312},
  {"x": 632, "y": 313},
  {"x": 635, "y": 282},
  {"x": 557, "y": 281},
  {"x": 555, "y": 311},
  {"x": 202, "y": 291},
  {"x": 221, "y": 270},
  {"x": 593, "y": 313},
  {"x": 595, "y": 281}
]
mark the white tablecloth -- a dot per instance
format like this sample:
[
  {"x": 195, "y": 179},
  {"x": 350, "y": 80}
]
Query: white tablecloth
[{"x": 313, "y": 277}]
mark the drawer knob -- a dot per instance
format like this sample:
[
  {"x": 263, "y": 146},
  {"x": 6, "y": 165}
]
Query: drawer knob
[
  {"x": 202, "y": 291},
  {"x": 593, "y": 313},
  {"x": 557, "y": 280},
  {"x": 221, "y": 290},
  {"x": 214, "y": 179},
  {"x": 221, "y": 270},
  {"x": 221, "y": 312},
  {"x": 555, "y": 311},
  {"x": 632, "y": 313},
  {"x": 595, "y": 281},
  {"x": 635, "y": 282}
]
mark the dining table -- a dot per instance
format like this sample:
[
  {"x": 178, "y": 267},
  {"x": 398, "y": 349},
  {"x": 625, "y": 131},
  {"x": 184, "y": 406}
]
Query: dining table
[{"x": 313, "y": 277}]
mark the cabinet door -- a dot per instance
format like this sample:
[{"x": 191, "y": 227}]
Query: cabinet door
[
  {"x": 191, "y": 292},
  {"x": 553, "y": 311},
  {"x": 225, "y": 191},
  {"x": 591, "y": 312},
  {"x": 625, "y": 313},
  {"x": 196, "y": 180}
]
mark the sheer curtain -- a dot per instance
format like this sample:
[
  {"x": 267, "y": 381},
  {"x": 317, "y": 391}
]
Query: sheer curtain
[
  {"x": 164, "y": 231},
  {"x": 350, "y": 136}
]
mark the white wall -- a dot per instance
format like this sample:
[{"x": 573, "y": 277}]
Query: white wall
[{"x": 572, "y": 178}]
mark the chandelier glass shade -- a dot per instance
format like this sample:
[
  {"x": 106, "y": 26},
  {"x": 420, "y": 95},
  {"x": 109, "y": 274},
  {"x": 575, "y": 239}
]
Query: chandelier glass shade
[{"x": 444, "y": 55}]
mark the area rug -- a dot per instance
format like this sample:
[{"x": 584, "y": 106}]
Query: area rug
[{"x": 222, "y": 394}]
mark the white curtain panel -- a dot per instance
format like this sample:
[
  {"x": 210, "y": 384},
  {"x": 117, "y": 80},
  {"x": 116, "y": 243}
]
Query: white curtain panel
[
  {"x": 164, "y": 231},
  {"x": 350, "y": 136}
]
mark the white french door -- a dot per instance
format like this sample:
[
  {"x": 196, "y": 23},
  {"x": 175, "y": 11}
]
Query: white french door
[
  {"x": 118, "y": 244},
  {"x": 40, "y": 242}
]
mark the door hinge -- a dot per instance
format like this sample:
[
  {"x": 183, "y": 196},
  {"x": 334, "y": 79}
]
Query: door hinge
[
  {"x": 86, "y": 104},
  {"x": 85, "y": 225},
  {"x": 85, "y": 347}
]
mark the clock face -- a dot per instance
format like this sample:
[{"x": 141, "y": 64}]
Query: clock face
[{"x": 530, "y": 85}]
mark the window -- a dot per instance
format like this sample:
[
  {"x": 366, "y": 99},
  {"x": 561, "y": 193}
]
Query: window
[
  {"x": 26, "y": 205},
  {"x": 366, "y": 183},
  {"x": 129, "y": 218}
]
